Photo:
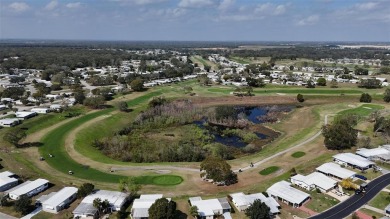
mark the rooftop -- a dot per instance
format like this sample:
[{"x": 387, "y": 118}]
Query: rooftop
[
  {"x": 317, "y": 179},
  {"x": 353, "y": 159},
  {"x": 335, "y": 170},
  {"x": 60, "y": 196},
  {"x": 284, "y": 190},
  {"x": 29, "y": 187},
  {"x": 245, "y": 200}
]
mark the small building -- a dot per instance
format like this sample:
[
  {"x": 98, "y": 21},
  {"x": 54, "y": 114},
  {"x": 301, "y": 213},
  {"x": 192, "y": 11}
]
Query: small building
[
  {"x": 7, "y": 181},
  {"x": 56, "y": 201},
  {"x": 9, "y": 122},
  {"x": 334, "y": 170},
  {"x": 313, "y": 181},
  {"x": 208, "y": 209},
  {"x": 86, "y": 208},
  {"x": 40, "y": 110},
  {"x": 31, "y": 188},
  {"x": 55, "y": 107},
  {"x": 379, "y": 153},
  {"x": 25, "y": 115},
  {"x": 140, "y": 208},
  {"x": 242, "y": 201},
  {"x": 283, "y": 191},
  {"x": 353, "y": 161}
]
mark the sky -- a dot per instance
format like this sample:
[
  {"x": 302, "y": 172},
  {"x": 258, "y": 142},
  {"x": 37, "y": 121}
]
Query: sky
[{"x": 196, "y": 20}]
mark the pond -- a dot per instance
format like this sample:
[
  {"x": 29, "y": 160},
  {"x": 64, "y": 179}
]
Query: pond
[{"x": 251, "y": 113}]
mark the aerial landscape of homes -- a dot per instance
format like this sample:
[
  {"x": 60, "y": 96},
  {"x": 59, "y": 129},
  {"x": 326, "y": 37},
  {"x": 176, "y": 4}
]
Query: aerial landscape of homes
[{"x": 204, "y": 109}]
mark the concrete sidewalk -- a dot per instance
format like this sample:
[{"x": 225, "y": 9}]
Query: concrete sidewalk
[
  {"x": 32, "y": 214},
  {"x": 6, "y": 216}
]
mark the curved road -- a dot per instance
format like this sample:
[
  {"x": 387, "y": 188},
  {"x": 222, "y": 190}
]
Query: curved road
[
  {"x": 350, "y": 205},
  {"x": 288, "y": 149}
]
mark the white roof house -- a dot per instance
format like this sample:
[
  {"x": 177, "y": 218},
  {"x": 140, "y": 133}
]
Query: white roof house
[
  {"x": 242, "y": 201},
  {"x": 209, "y": 208},
  {"x": 332, "y": 169},
  {"x": 25, "y": 115},
  {"x": 59, "y": 200},
  {"x": 283, "y": 191},
  {"x": 9, "y": 122},
  {"x": 353, "y": 160},
  {"x": 7, "y": 181},
  {"x": 29, "y": 189},
  {"x": 314, "y": 180},
  {"x": 86, "y": 209},
  {"x": 40, "y": 110},
  {"x": 373, "y": 154},
  {"x": 140, "y": 208}
]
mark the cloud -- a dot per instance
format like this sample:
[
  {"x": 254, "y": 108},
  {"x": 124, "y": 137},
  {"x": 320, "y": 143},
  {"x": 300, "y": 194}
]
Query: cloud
[
  {"x": 51, "y": 5},
  {"x": 225, "y": 5},
  {"x": 263, "y": 7},
  {"x": 366, "y": 6},
  {"x": 195, "y": 3},
  {"x": 73, "y": 5},
  {"x": 139, "y": 2},
  {"x": 19, "y": 6},
  {"x": 309, "y": 20},
  {"x": 280, "y": 9}
]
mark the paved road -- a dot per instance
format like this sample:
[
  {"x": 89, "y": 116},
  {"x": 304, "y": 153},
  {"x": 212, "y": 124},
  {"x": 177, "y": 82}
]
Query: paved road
[{"x": 349, "y": 206}]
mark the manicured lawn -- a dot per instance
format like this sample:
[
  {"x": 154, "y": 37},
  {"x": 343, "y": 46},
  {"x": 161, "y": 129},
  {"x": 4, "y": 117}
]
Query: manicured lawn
[
  {"x": 161, "y": 180},
  {"x": 320, "y": 202},
  {"x": 306, "y": 91},
  {"x": 289, "y": 90},
  {"x": 371, "y": 213},
  {"x": 380, "y": 200},
  {"x": 298, "y": 154},
  {"x": 269, "y": 170},
  {"x": 111, "y": 124},
  {"x": 53, "y": 143},
  {"x": 363, "y": 110}
]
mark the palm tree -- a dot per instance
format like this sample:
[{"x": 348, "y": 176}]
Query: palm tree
[
  {"x": 194, "y": 211},
  {"x": 97, "y": 203}
]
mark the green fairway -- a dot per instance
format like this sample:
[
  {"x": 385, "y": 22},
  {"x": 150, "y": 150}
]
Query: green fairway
[
  {"x": 113, "y": 123},
  {"x": 269, "y": 170},
  {"x": 53, "y": 143},
  {"x": 363, "y": 110},
  {"x": 298, "y": 154},
  {"x": 291, "y": 90}
]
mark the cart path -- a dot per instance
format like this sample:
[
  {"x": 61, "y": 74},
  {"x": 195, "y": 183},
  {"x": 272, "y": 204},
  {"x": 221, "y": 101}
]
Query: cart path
[
  {"x": 258, "y": 163},
  {"x": 69, "y": 145}
]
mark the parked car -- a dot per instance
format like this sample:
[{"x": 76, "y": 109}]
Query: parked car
[{"x": 361, "y": 177}]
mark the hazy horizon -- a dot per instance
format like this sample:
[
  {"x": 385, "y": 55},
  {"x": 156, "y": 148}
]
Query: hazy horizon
[{"x": 196, "y": 20}]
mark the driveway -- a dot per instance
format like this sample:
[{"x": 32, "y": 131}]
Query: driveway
[{"x": 355, "y": 202}]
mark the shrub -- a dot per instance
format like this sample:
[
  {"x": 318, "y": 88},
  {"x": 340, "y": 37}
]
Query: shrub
[
  {"x": 300, "y": 98},
  {"x": 365, "y": 98}
]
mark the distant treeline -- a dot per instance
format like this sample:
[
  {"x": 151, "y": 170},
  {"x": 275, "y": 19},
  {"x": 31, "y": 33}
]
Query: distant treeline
[{"x": 42, "y": 57}]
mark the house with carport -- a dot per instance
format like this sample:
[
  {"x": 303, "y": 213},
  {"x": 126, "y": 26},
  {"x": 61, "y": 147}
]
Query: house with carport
[
  {"x": 353, "y": 160},
  {"x": 284, "y": 192},
  {"x": 57, "y": 201},
  {"x": 336, "y": 171},
  {"x": 208, "y": 209},
  {"x": 242, "y": 201},
  {"x": 314, "y": 180}
]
